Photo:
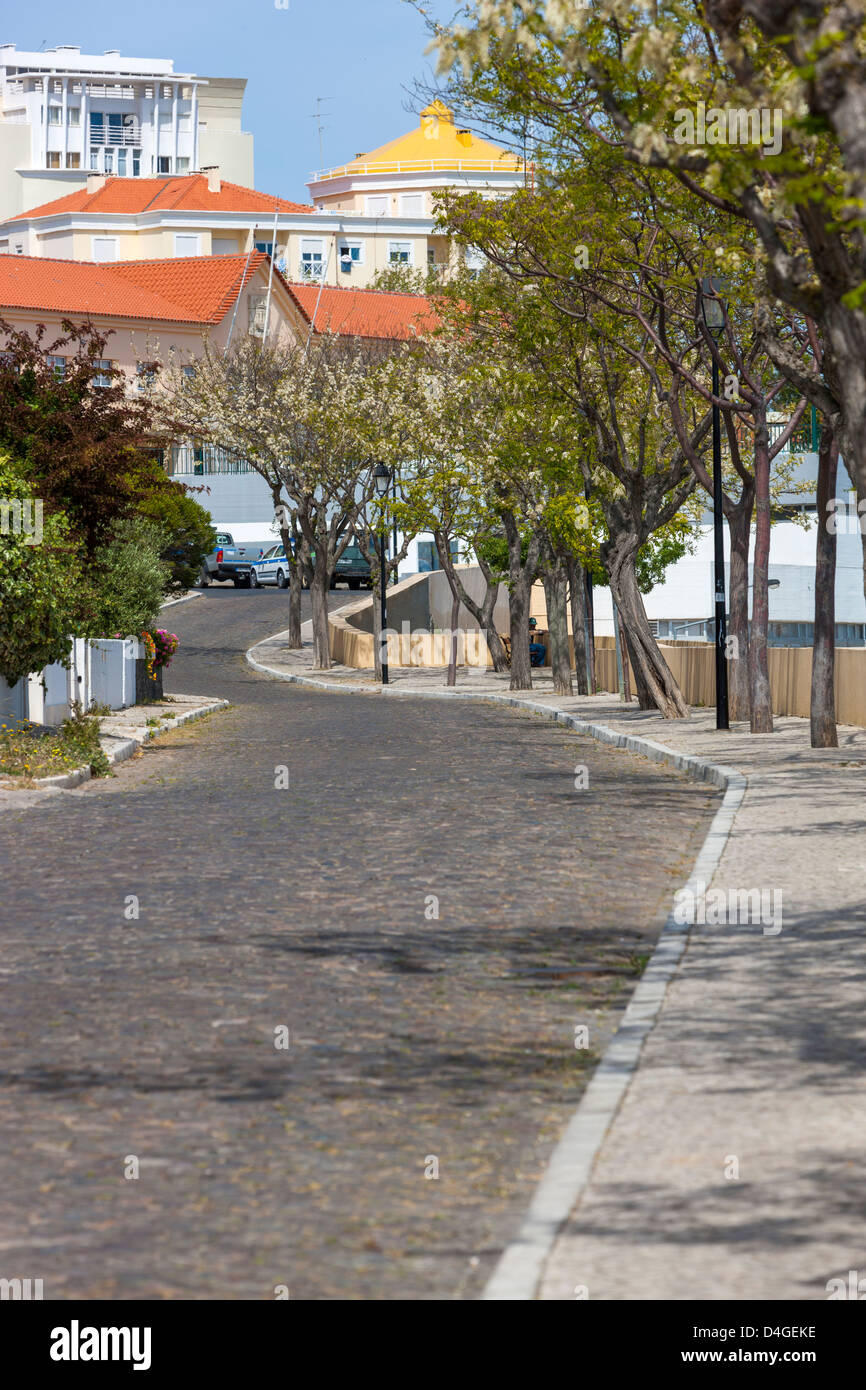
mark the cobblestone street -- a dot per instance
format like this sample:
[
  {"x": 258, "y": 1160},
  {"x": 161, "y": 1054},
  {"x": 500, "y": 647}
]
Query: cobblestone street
[{"x": 415, "y": 1041}]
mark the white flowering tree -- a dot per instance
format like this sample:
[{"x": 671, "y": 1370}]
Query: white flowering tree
[{"x": 295, "y": 412}]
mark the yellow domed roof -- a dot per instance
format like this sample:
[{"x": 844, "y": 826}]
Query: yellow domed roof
[{"x": 435, "y": 144}]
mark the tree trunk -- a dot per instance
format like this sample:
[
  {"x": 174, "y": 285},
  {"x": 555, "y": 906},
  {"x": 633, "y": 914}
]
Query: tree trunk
[
  {"x": 286, "y": 536},
  {"x": 481, "y": 612},
  {"x": 626, "y": 660},
  {"x": 320, "y": 583},
  {"x": 656, "y": 686},
  {"x": 822, "y": 711},
  {"x": 579, "y": 626},
  {"x": 761, "y": 718},
  {"x": 518, "y": 611},
  {"x": 452, "y": 655},
  {"x": 521, "y": 573},
  {"x": 739, "y": 520},
  {"x": 555, "y": 595}
]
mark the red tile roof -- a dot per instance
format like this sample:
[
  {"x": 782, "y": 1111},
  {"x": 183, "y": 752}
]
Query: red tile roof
[
  {"x": 198, "y": 289},
  {"x": 364, "y": 313},
  {"x": 189, "y": 192}
]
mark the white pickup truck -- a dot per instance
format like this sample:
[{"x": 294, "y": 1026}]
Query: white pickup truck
[{"x": 229, "y": 561}]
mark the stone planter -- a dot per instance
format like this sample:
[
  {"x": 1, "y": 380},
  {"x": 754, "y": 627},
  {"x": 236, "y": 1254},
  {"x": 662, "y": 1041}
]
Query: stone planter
[{"x": 147, "y": 688}]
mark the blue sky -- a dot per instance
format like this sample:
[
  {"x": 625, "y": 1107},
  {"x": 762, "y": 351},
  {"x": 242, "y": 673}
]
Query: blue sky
[{"x": 363, "y": 54}]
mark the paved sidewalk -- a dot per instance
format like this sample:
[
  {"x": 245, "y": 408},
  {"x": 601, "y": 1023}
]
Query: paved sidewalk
[
  {"x": 733, "y": 1168},
  {"x": 121, "y": 735}
]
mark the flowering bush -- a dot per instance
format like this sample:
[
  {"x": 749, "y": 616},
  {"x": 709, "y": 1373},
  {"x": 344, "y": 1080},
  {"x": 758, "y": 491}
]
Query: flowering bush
[{"x": 159, "y": 648}]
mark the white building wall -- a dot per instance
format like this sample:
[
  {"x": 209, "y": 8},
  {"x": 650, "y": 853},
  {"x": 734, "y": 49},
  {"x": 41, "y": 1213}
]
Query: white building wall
[{"x": 47, "y": 100}]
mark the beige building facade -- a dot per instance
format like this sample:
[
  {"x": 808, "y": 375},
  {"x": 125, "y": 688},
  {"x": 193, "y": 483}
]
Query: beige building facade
[{"x": 375, "y": 213}]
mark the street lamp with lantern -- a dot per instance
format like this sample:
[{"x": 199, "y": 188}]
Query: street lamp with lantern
[
  {"x": 713, "y": 307},
  {"x": 381, "y": 482}
]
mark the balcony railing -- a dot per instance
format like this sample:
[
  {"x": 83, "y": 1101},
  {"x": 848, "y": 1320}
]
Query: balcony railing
[
  {"x": 201, "y": 460},
  {"x": 107, "y": 135},
  {"x": 110, "y": 91},
  {"x": 509, "y": 164},
  {"x": 804, "y": 440}
]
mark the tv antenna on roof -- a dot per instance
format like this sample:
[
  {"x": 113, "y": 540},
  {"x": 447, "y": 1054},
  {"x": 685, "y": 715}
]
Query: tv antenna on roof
[{"x": 317, "y": 117}]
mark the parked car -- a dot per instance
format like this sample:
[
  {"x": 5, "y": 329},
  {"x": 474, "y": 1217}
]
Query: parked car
[
  {"x": 229, "y": 561},
  {"x": 272, "y": 568},
  {"x": 352, "y": 568}
]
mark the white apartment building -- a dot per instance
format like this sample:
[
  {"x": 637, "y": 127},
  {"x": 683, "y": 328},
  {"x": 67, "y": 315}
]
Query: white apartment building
[{"x": 65, "y": 114}]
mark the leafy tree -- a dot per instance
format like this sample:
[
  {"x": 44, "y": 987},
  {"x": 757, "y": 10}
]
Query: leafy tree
[
  {"x": 753, "y": 107},
  {"x": 187, "y": 529},
  {"x": 295, "y": 413},
  {"x": 79, "y": 438},
  {"x": 569, "y": 412},
  {"x": 406, "y": 279},
  {"x": 125, "y": 595},
  {"x": 40, "y": 584}
]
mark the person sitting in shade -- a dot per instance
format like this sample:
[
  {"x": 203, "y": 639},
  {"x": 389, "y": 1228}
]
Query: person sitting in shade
[{"x": 537, "y": 650}]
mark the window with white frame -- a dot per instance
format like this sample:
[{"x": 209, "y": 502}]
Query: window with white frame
[
  {"x": 163, "y": 164},
  {"x": 102, "y": 371},
  {"x": 73, "y": 115},
  {"x": 376, "y": 204},
  {"x": 258, "y": 305},
  {"x": 312, "y": 259},
  {"x": 400, "y": 252},
  {"x": 52, "y": 159},
  {"x": 104, "y": 248},
  {"x": 145, "y": 375},
  {"x": 412, "y": 204},
  {"x": 55, "y": 115},
  {"x": 186, "y": 244},
  {"x": 351, "y": 255},
  {"x": 73, "y": 159},
  {"x": 183, "y": 164},
  {"x": 58, "y": 364},
  {"x": 122, "y": 163}
]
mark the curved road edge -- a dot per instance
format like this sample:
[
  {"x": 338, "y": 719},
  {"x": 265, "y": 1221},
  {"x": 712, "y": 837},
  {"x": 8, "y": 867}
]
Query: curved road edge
[{"x": 520, "y": 1267}]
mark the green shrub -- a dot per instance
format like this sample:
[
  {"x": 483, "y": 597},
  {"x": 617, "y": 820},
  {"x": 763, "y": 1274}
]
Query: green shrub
[
  {"x": 188, "y": 534},
  {"x": 40, "y": 580},
  {"x": 130, "y": 582}
]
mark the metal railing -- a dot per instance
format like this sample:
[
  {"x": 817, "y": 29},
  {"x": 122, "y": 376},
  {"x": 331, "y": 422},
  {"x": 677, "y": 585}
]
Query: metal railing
[
  {"x": 201, "y": 460},
  {"x": 804, "y": 439},
  {"x": 509, "y": 164},
  {"x": 108, "y": 135}
]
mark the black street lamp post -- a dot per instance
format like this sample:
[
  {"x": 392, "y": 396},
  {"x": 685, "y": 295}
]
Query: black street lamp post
[
  {"x": 714, "y": 318},
  {"x": 382, "y": 479}
]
